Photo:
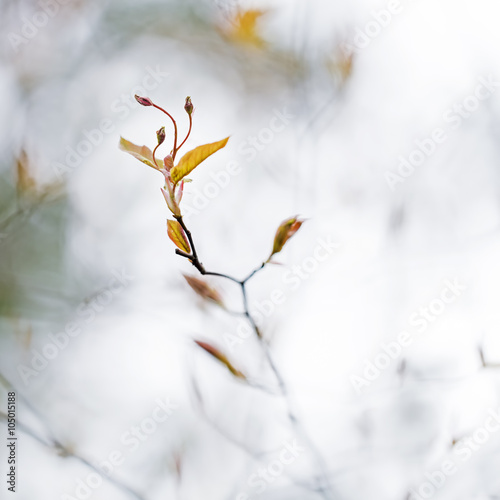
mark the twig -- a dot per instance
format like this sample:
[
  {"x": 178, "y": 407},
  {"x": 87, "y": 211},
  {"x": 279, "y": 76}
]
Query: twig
[
  {"x": 258, "y": 456},
  {"x": 323, "y": 488}
]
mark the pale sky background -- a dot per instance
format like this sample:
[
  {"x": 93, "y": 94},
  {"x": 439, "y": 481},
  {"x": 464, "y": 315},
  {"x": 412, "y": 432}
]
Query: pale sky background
[{"x": 397, "y": 249}]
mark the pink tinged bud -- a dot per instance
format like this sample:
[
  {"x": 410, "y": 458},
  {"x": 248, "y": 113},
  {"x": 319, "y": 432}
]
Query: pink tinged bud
[
  {"x": 168, "y": 161},
  {"x": 188, "y": 106},
  {"x": 171, "y": 203},
  {"x": 145, "y": 101},
  {"x": 160, "y": 135},
  {"x": 169, "y": 185},
  {"x": 166, "y": 174},
  {"x": 179, "y": 193}
]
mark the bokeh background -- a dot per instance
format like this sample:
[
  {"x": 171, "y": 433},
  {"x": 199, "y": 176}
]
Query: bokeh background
[{"x": 350, "y": 87}]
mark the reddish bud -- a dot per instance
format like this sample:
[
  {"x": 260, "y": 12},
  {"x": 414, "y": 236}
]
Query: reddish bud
[
  {"x": 188, "y": 106},
  {"x": 160, "y": 135},
  {"x": 145, "y": 101},
  {"x": 285, "y": 231}
]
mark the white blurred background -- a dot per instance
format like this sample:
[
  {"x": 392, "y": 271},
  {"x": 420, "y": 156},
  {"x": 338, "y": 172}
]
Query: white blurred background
[{"x": 386, "y": 121}]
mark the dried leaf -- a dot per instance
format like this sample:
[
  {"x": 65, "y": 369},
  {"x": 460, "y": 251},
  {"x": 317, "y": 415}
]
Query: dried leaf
[
  {"x": 193, "y": 158},
  {"x": 219, "y": 356},
  {"x": 244, "y": 28},
  {"x": 26, "y": 183},
  {"x": 142, "y": 153},
  {"x": 24, "y": 333},
  {"x": 341, "y": 63},
  {"x": 285, "y": 231},
  {"x": 178, "y": 464},
  {"x": 177, "y": 235},
  {"x": 204, "y": 290}
]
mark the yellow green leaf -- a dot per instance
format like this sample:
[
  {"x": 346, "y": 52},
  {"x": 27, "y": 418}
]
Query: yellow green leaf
[
  {"x": 142, "y": 153},
  {"x": 177, "y": 235},
  {"x": 221, "y": 357},
  {"x": 193, "y": 158}
]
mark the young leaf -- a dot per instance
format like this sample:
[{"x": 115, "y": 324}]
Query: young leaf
[
  {"x": 194, "y": 157},
  {"x": 204, "y": 290},
  {"x": 285, "y": 231},
  {"x": 142, "y": 153},
  {"x": 171, "y": 202},
  {"x": 177, "y": 235},
  {"x": 221, "y": 357}
]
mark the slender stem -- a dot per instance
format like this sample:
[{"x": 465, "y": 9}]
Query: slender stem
[
  {"x": 292, "y": 416},
  {"x": 194, "y": 256},
  {"x": 190, "y": 237},
  {"x": 248, "y": 315},
  {"x": 183, "y": 254},
  {"x": 174, "y": 150},
  {"x": 189, "y": 132},
  {"x": 253, "y": 453},
  {"x": 324, "y": 487},
  {"x": 154, "y": 157},
  {"x": 196, "y": 263},
  {"x": 255, "y": 271},
  {"x": 220, "y": 275}
]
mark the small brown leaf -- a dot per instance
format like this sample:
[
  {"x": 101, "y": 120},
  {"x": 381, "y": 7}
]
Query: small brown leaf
[
  {"x": 341, "y": 63},
  {"x": 219, "y": 356},
  {"x": 285, "y": 231},
  {"x": 26, "y": 183},
  {"x": 177, "y": 235},
  {"x": 204, "y": 290}
]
